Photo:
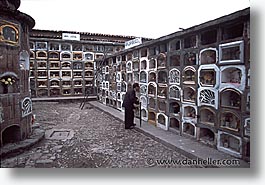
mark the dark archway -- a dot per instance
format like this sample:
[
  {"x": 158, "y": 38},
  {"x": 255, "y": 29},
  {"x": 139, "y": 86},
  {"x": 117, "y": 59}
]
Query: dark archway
[{"x": 11, "y": 134}]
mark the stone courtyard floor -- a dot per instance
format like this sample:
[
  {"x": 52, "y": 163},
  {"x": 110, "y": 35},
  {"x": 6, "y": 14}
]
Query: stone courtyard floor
[{"x": 89, "y": 138}]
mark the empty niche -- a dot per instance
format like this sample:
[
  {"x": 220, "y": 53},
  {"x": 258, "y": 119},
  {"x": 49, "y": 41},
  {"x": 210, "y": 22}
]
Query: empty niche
[
  {"x": 41, "y": 55},
  {"x": 208, "y": 97},
  {"x": 152, "y": 103},
  {"x": 88, "y": 65},
  {"x": 54, "y": 83},
  {"x": 174, "y": 92},
  {"x": 55, "y": 92},
  {"x": 231, "y": 121},
  {"x": 42, "y": 92},
  {"x": 54, "y": 46},
  {"x": 174, "y": 107},
  {"x": 229, "y": 143},
  {"x": 208, "y": 56},
  {"x": 162, "y": 76},
  {"x": 77, "y": 65},
  {"x": 54, "y": 64},
  {"x": 77, "y": 55},
  {"x": 143, "y": 89},
  {"x": 136, "y": 65},
  {"x": 247, "y": 127},
  {"x": 152, "y": 64},
  {"x": 207, "y": 116},
  {"x": 88, "y": 56},
  {"x": 143, "y": 64},
  {"x": 231, "y": 98},
  {"x": 151, "y": 117},
  {"x": 233, "y": 75},
  {"x": 123, "y": 76},
  {"x": 136, "y": 77},
  {"x": 162, "y": 105},
  {"x": 175, "y": 60},
  {"x": 144, "y": 114},
  {"x": 209, "y": 37},
  {"x": 54, "y": 55},
  {"x": 9, "y": 83},
  {"x": 188, "y": 75},
  {"x": 189, "y": 129},
  {"x": 161, "y": 60},
  {"x": 189, "y": 94},
  {"x": 174, "y": 123},
  {"x": 207, "y": 136},
  {"x": 174, "y": 76},
  {"x": 129, "y": 66},
  {"x": 190, "y": 42},
  {"x": 152, "y": 76},
  {"x": 190, "y": 58},
  {"x": 41, "y": 45},
  {"x": 232, "y": 52},
  {"x": 162, "y": 91},
  {"x": 66, "y": 74},
  {"x": 41, "y": 64},
  {"x": 143, "y": 77},
  {"x": 152, "y": 89},
  {"x": 42, "y": 74},
  {"x": 162, "y": 121},
  {"x": 66, "y": 47},
  {"x": 66, "y": 56}
]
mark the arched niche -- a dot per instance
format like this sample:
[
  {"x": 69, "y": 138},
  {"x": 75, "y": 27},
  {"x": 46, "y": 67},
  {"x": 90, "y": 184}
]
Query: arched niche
[
  {"x": 123, "y": 87},
  {"x": 161, "y": 105},
  {"x": 77, "y": 55},
  {"x": 162, "y": 121},
  {"x": 53, "y": 55},
  {"x": 136, "y": 65},
  {"x": 229, "y": 143},
  {"x": 207, "y": 136},
  {"x": 208, "y": 97},
  {"x": 54, "y": 83},
  {"x": 152, "y": 117},
  {"x": 208, "y": 77},
  {"x": 143, "y": 89},
  {"x": 189, "y": 94},
  {"x": 129, "y": 66},
  {"x": 152, "y": 89},
  {"x": 41, "y": 55},
  {"x": 230, "y": 121},
  {"x": 88, "y": 64},
  {"x": 9, "y": 83},
  {"x": 24, "y": 60},
  {"x": 152, "y": 76},
  {"x": 189, "y": 112},
  {"x": 136, "y": 76},
  {"x": 78, "y": 82},
  {"x": 174, "y": 76},
  {"x": 66, "y": 91},
  {"x": 66, "y": 55},
  {"x": 26, "y": 107},
  {"x": 144, "y": 102},
  {"x": 161, "y": 61},
  {"x": 129, "y": 77},
  {"x": 88, "y": 56},
  {"x": 234, "y": 76},
  {"x": 144, "y": 64},
  {"x": 144, "y": 114},
  {"x": 189, "y": 129},
  {"x": 190, "y": 59},
  {"x": 152, "y": 64},
  {"x": 174, "y": 123},
  {"x": 11, "y": 134},
  {"x": 231, "y": 98},
  {"x": 208, "y": 56},
  {"x": 189, "y": 75},
  {"x": 207, "y": 116},
  {"x": 174, "y": 92},
  {"x": 152, "y": 103},
  {"x": 143, "y": 77},
  {"x": 162, "y": 76},
  {"x": 162, "y": 91},
  {"x": 174, "y": 107}
]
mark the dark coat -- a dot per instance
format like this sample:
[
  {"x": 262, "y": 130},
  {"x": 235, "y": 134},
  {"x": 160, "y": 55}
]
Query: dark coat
[{"x": 130, "y": 99}]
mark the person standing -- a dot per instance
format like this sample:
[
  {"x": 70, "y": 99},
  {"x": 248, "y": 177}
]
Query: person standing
[{"x": 130, "y": 102}]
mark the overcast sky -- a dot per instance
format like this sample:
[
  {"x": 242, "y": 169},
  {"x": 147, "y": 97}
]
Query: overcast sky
[{"x": 142, "y": 18}]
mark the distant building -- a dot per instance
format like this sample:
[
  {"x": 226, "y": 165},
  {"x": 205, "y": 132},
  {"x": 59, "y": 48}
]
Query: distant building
[{"x": 15, "y": 100}]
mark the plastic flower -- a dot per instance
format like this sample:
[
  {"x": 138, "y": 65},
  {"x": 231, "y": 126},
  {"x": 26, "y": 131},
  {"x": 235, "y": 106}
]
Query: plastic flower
[{"x": 9, "y": 79}]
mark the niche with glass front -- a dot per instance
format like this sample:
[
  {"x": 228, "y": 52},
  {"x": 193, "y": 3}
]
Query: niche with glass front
[
  {"x": 136, "y": 77},
  {"x": 174, "y": 92},
  {"x": 143, "y": 89},
  {"x": 77, "y": 56},
  {"x": 129, "y": 66},
  {"x": 66, "y": 92},
  {"x": 77, "y": 74},
  {"x": 174, "y": 76},
  {"x": 162, "y": 121},
  {"x": 54, "y": 74},
  {"x": 89, "y": 74},
  {"x": 207, "y": 116},
  {"x": 189, "y": 94},
  {"x": 66, "y": 47},
  {"x": 123, "y": 87},
  {"x": 78, "y": 82},
  {"x": 188, "y": 75},
  {"x": 161, "y": 61},
  {"x": 78, "y": 91},
  {"x": 143, "y": 100},
  {"x": 189, "y": 129},
  {"x": 152, "y": 76},
  {"x": 129, "y": 77},
  {"x": 144, "y": 114},
  {"x": 136, "y": 65},
  {"x": 247, "y": 127},
  {"x": 66, "y": 65},
  {"x": 9, "y": 33},
  {"x": 42, "y": 92},
  {"x": 230, "y": 98},
  {"x": 231, "y": 52},
  {"x": 189, "y": 113},
  {"x": 233, "y": 75},
  {"x": 208, "y": 56},
  {"x": 31, "y": 55},
  {"x": 162, "y": 91},
  {"x": 207, "y": 77},
  {"x": 230, "y": 121},
  {"x": 143, "y": 64}
]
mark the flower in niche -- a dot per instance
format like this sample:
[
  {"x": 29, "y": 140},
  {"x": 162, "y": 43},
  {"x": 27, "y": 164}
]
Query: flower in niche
[{"x": 8, "y": 81}]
